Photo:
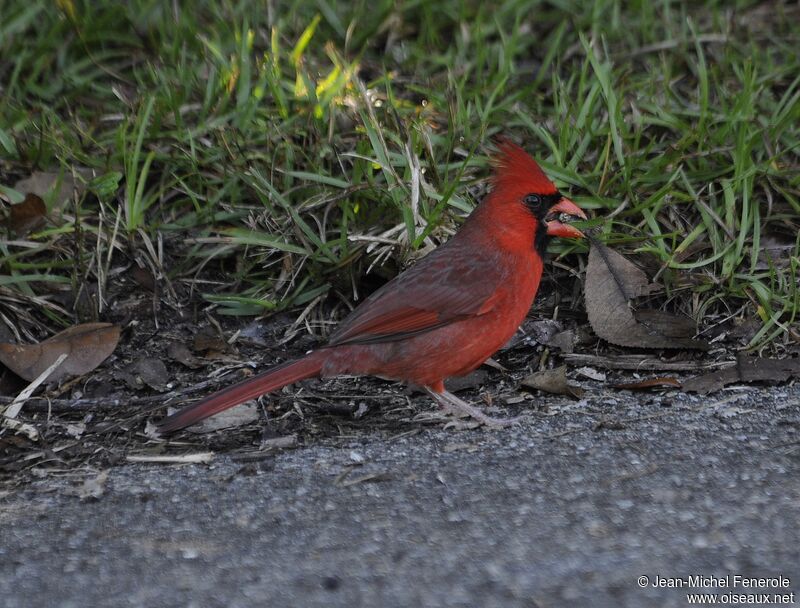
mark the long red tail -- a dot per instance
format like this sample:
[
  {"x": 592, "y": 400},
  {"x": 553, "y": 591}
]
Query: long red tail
[{"x": 265, "y": 382}]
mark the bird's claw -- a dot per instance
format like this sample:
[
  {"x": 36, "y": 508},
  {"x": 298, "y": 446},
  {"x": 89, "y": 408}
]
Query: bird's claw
[{"x": 452, "y": 405}]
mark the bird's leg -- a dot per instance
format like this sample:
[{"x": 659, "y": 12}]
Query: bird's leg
[{"x": 449, "y": 401}]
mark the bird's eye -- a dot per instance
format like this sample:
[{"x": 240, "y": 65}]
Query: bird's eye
[{"x": 533, "y": 200}]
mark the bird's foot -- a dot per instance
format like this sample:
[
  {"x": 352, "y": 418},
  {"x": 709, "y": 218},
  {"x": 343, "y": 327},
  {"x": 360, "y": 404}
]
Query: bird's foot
[{"x": 461, "y": 409}]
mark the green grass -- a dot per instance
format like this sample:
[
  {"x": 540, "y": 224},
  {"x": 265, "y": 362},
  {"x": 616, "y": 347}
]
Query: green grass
[{"x": 267, "y": 143}]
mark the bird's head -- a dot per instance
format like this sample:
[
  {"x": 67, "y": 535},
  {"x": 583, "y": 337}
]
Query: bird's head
[{"x": 519, "y": 180}]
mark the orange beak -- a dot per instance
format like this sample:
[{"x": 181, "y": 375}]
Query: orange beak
[{"x": 558, "y": 212}]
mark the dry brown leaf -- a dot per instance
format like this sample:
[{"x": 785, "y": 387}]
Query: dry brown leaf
[
  {"x": 563, "y": 341},
  {"x": 53, "y": 187},
  {"x": 747, "y": 369},
  {"x": 147, "y": 371},
  {"x": 611, "y": 283},
  {"x": 27, "y": 216},
  {"x": 178, "y": 351},
  {"x": 86, "y": 347},
  {"x": 553, "y": 381},
  {"x": 208, "y": 340}
]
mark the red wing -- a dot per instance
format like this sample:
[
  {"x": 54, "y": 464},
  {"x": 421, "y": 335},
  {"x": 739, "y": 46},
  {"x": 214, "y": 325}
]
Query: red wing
[
  {"x": 438, "y": 290},
  {"x": 397, "y": 322}
]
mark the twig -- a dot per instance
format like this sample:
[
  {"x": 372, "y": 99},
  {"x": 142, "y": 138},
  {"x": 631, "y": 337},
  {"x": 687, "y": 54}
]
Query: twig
[
  {"x": 643, "y": 362},
  {"x": 199, "y": 458},
  {"x": 16, "y": 405},
  {"x": 10, "y": 413}
]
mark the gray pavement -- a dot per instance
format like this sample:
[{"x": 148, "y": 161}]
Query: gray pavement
[{"x": 569, "y": 509}]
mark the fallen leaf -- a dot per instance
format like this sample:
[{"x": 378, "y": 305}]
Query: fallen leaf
[
  {"x": 611, "y": 283},
  {"x": 27, "y": 216},
  {"x": 747, "y": 369},
  {"x": 208, "y": 340},
  {"x": 53, "y": 187},
  {"x": 563, "y": 341},
  {"x": 147, "y": 371},
  {"x": 178, "y": 351},
  {"x": 553, "y": 381},
  {"x": 665, "y": 324},
  {"x": 648, "y": 383},
  {"x": 86, "y": 347}
]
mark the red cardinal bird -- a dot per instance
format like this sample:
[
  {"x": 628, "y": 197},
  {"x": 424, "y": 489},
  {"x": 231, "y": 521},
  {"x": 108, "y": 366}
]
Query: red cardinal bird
[{"x": 448, "y": 313}]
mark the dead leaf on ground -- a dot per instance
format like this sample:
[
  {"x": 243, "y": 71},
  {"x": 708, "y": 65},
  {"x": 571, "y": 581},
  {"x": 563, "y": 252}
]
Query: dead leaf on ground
[
  {"x": 611, "y": 283},
  {"x": 178, "y": 351},
  {"x": 86, "y": 347},
  {"x": 553, "y": 381},
  {"x": 747, "y": 369},
  {"x": 648, "y": 383},
  {"x": 55, "y": 188},
  {"x": 147, "y": 371},
  {"x": 563, "y": 341},
  {"x": 27, "y": 216},
  {"x": 210, "y": 342}
]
